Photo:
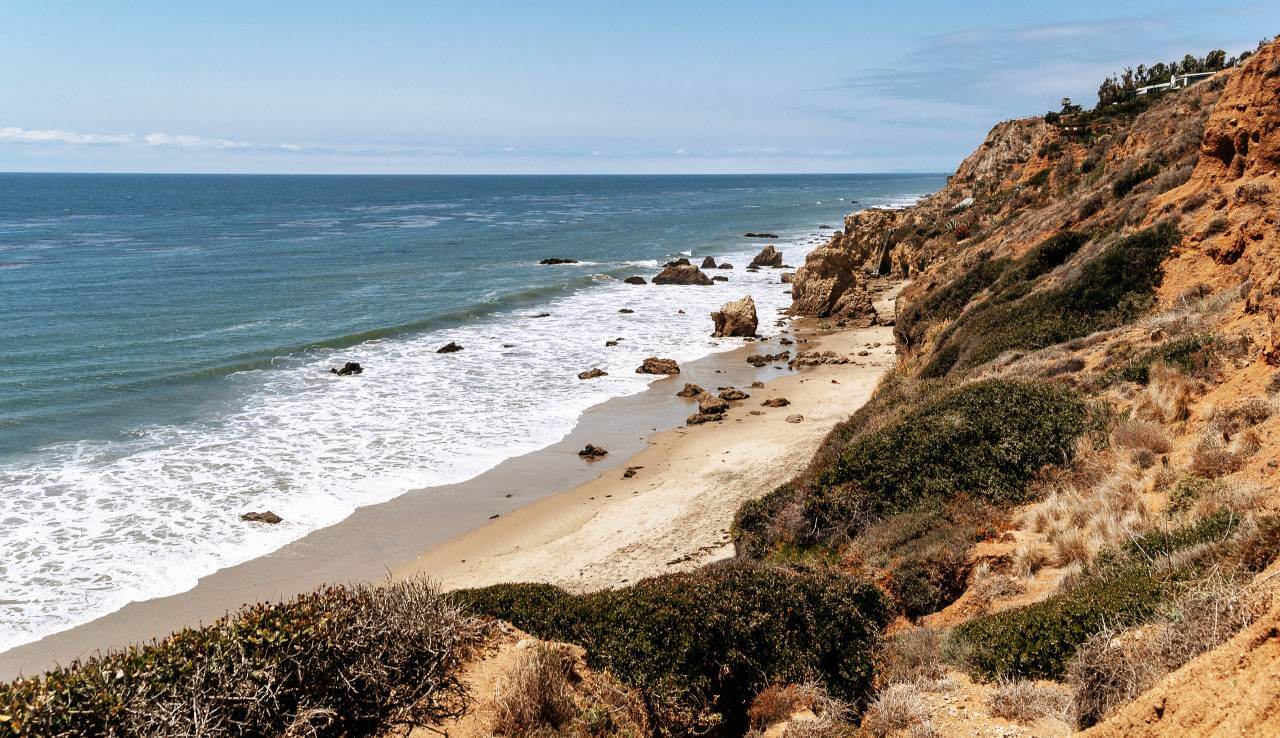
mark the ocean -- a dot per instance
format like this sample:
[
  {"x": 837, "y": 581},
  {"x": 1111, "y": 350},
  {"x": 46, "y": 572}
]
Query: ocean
[{"x": 167, "y": 339}]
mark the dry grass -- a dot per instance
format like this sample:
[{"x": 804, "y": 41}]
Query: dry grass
[
  {"x": 1029, "y": 558},
  {"x": 1025, "y": 701},
  {"x": 900, "y": 708},
  {"x": 1113, "y": 668},
  {"x": 543, "y": 694},
  {"x": 911, "y": 656},
  {"x": 775, "y": 704},
  {"x": 1136, "y": 435},
  {"x": 1081, "y": 515},
  {"x": 1074, "y": 546},
  {"x": 1212, "y": 459},
  {"x": 987, "y": 586},
  {"x": 1168, "y": 396}
]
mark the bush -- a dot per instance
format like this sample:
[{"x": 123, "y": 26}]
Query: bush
[
  {"x": 1192, "y": 355},
  {"x": 946, "y": 302},
  {"x": 1110, "y": 289},
  {"x": 340, "y": 661},
  {"x": 986, "y": 440},
  {"x": 1131, "y": 178},
  {"x": 700, "y": 645}
]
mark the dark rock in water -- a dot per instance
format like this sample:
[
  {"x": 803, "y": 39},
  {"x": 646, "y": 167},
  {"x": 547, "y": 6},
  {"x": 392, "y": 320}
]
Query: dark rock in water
[
  {"x": 768, "y": 257},
  {"x": 678, "y": 262},
  {"x": 760, "y": 235},
  {"x": 725, "y": 265},
  {"x": 592, "y": 451},
  {"x": 719, "y": 278},
  {"x": 736, "y": 318},
  {"x": 508, "y": 345},
  {"x": 827, "y": 227},
  {"x": 685, "y": 273},
  {"x": 593, "y": 373},
  {"x": 610, "y": 343},
  {"x": 690, "y": 390},
  {"x": 654, "y": 365},
  {"x": 635, "y": 280},
  {"x": 558, "y": 261},
  {"x": 784, "y": 266},
  {"x": 448, "y": 348},
  {"x": 709, "y": 263},
  {"x": 541, "y": 315},
  {"x": 787, "y": 277},
  {"x": 753, "y": 269},
  {"x": 265, "y": 516},
  {"x": 733, "y": 394},
  {"x": 625, "y": 311},
  {"x": 348, "y": 369},
  {"x": 785, "y": 341}
]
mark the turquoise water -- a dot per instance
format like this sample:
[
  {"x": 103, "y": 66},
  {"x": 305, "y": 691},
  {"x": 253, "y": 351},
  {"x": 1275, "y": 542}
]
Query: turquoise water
[{"x": 166, "y": 339}]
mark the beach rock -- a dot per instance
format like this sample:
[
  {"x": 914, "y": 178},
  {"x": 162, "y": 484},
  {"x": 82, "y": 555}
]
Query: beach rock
[
  {"x": 720, "y": 278},
  {"x": 654, "y": 365},
  {"x": 760, "y": 235},
  {"x": 776, "y": 402},
  {"x": 685, "y": 273},
  {"x": 348, "y": 369},
  {"x": 795, "y": 418},
  {"x": 265, "y": 516},
  {"x": 725, "y": 265},
  {"x": 709, "y": 404},
  {"x": 736, "y": 318},
  {"x": 626, "y": 311},
  {"x": 757, "y": 384},
  {"x": 553, "y": 261},
  {"x": 709, "y": 263},
  {"x": 448, "y": 348},
  {"x": 593, "y": 373},
  {"x": 678, "y": 262},
  {"x": 785, "y": 341},
  {"x": 635, "y": 280},
  {"x": 690, "y": 390},
  {"x": 591, "y": 451},
  {"x": 699, "y": 418},
  {"x": 787, "y": 277},
  {"x": 768, "y": 257},
  {"x": 631, "y": 471},
  {"x": 733, "y": 394},
  {"x": 828, "y": 286}
]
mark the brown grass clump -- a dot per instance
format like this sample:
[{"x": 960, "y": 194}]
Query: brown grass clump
[
  {"x": 1073, "y": 546},
  {"x": 1168, "y": 396},
  {"x": 1211, "y": 459},
  {"x": 535, "y": 694},
  {"x": 811, "y": 711},
  {"x": 1141, "y": 435},
  {"x": 1029, "y": 558},
  {"x": 911, "y": 656},
  {"x": 987, "y": 586},
  {"x": 1024, "y": 701},
  {"x": 899, "y": 708}
]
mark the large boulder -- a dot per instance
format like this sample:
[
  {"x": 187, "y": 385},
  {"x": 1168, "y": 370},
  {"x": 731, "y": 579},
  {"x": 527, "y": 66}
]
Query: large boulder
[
  {"x": 685, "y": 273},
  {"x": 768, "y": 257},
  {"x": 654, "y": 365},
  {"x": 709, "y": 263},
  {"x": 709, "y": 404},
  {"x": 828, "y": 286},
  {"x": 690, "y": 390},
  {"x": 736, "y": 318}
]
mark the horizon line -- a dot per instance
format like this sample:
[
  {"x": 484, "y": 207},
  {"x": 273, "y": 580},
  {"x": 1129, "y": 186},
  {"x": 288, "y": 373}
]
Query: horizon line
[{"x": 468, "y": 174}]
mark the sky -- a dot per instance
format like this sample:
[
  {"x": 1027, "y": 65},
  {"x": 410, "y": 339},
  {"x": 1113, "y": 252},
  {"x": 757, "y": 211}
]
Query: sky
[{"x": 562, "y": 87}]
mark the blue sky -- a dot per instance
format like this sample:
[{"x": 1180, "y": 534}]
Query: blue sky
[{"x": 426, "y": 87}]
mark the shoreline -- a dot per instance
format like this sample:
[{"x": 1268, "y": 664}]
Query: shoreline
[{"x": 426, "y": 527}]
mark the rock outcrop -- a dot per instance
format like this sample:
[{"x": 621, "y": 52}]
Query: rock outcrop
[
  {"x": 690, "y": 390},
  {"x": 348, "y": 369},
  {"x": 685, "y": 273},
  {"x": 709, "y": 263},
  {"x": 593, "y": 373},
  {"x": 635, "y": 280},
  {"x": 829, "y": 285},
  {"x": 265, "y": 516},
  {"x": 654, "y": 365},
  {"x": 449, "y": 348},
  {"x": 768, "y": 257},
  {"x": 736, "y": 318},
  {"x": 709, "y": 404}
]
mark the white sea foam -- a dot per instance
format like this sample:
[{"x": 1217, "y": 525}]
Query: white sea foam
[{"x": 89, "y": 527}]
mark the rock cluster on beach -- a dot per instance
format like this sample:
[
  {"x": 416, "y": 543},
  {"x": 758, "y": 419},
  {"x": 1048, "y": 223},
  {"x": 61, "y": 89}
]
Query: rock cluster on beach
[
  {"x": 768, "y": 257},
  {"x": 681, "y": 272},
  {"x": 654, "y": 365},
  {"x": 759, "y": 360},
  {"x": 736, "y": 318},
  {"x": 592, "y": 451}
]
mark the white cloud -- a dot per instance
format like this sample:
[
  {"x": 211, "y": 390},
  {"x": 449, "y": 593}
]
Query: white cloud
[
  {"x": 194, "y": 142},
  {"x": 12, "y": 134}
]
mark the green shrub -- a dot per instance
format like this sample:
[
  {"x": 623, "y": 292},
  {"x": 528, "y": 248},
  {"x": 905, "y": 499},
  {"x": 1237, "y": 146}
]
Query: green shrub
[
  {"x": 340, "y": 661},
  {"x": 1259, "y": 546},
  {"x": 1131, "y": 178},
  {"x": 1110, "y": 289},
  {"x": 946, "y": 302},
  {"x": 1122, "y": 587},
  {"x": 700, "y": 645},
  {"x": 986, "y": 440},
  {"x": 1191, "y": 354}
]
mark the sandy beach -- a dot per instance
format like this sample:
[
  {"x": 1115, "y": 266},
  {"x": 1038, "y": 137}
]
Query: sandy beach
[{"x": 674, "y": 513}]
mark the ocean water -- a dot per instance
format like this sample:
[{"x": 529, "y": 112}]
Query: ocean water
[{"x": 166, "y": 341}]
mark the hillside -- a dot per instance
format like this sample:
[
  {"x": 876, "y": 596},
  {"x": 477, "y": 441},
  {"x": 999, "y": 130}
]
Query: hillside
[{"x": 1057, "y": 513}]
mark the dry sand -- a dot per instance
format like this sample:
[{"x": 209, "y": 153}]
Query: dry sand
[{"x": 674, "y": 514}]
